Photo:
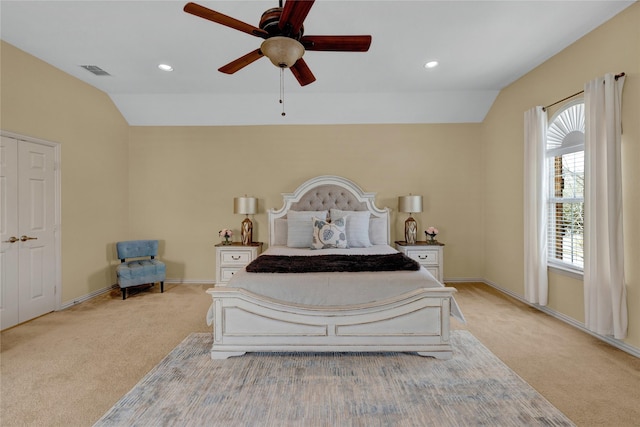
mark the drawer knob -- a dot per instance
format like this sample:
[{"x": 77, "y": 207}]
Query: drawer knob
[
  {"x": 423, "y": 256},
  {"x": 235, "y": 257}
]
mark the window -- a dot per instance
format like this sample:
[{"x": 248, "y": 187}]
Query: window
[{"x": 565, "y": 165}]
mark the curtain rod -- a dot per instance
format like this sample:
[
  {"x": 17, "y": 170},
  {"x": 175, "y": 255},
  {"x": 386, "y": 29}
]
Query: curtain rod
[{"x": 617, "y": 76}]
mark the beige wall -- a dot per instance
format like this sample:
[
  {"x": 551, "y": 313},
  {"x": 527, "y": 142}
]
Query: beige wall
[
  {"x": 40, "y": 101},
  {"x": 613, "y": 47},
  {"x": 183, "y": 180}
]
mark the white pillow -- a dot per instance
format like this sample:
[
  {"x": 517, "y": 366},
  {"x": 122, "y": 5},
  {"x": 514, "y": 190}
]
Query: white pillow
[
  {"x": 378, "y": 231},
  {"x": 329, "y": 234},
  {"x": 357, "y": 227},
  {"x": 300, "y": 227},
  {"x": 280, "y": 232}
]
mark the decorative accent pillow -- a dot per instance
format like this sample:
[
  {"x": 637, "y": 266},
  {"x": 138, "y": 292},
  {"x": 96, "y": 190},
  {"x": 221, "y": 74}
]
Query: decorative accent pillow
[
  {"x": 329, "y": 234},
  {"x": 357, "y": 227},
  {"x": 300, "y": 227}
]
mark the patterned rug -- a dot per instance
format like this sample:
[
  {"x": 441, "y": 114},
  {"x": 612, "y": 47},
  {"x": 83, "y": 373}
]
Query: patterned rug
[{"x": 332, "y": 389}]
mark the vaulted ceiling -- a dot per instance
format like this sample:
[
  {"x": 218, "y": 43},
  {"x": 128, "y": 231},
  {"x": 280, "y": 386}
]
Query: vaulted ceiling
[{"x": 481, "y": 47}]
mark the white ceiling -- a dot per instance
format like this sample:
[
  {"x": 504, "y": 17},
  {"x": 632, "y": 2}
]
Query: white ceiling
[{"x": 482, "y": 46}]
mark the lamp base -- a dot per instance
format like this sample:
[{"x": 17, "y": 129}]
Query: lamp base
[
  {"x": 410, "y": 231},
  {"x": 247, "y": 231}
]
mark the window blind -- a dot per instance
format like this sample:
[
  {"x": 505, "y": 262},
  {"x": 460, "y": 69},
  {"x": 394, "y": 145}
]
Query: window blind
[{"x": 566, "y": 209}]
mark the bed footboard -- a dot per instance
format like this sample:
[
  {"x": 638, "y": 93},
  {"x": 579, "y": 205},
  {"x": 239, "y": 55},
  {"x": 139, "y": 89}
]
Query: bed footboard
[{"x": 417, "y": 321}]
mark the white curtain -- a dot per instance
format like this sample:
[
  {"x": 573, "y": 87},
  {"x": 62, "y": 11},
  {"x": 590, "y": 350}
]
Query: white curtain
[
  {"x": 604, "y": 282},
  {"x": 535, "y": 216}
]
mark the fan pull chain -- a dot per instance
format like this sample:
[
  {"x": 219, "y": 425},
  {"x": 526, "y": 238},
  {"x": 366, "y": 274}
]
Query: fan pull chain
[{"x": 282, "y": 90}]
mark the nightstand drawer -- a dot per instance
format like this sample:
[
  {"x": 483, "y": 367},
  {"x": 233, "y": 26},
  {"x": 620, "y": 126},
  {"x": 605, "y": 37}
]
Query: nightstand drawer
[
  {"x": 226, "y": 273},
  {"x": 235, "y": 257},
  {"x": 429, "y": 255},
  {"x": 232, "y": 258},
  {"x": 435, "y": 271},
  {"x": 424, "y": 256}
]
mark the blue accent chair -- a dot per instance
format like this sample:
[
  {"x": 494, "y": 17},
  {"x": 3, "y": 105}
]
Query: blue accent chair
[{"x": 143, "y": 269}]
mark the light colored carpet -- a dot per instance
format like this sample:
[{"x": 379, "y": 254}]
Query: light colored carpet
[{"x": 332, "y": 389}]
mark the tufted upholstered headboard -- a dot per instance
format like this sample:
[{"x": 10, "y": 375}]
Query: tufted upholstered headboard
[
  {"x": 324, "y": 193},
  {"x": 327, "y": 197}
]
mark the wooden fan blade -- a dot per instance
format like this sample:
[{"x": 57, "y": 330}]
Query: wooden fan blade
[
  {"x": 227, "y": 21},
  {"x": 337, "y": 43},
  {"x": 241, "y": 62},
  {"x": 302, "y": 73},
  {"x": 293, "y": 15}
]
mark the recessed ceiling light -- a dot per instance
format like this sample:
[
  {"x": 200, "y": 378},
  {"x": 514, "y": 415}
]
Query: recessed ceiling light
[
  {"x": 431, "y": 64},
  {"x": 165, "y": 67}
]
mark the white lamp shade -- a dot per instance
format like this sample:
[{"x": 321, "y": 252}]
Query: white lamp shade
[
  {"x": 410, "y": 204},
  {"x": 245, "y": 205}
]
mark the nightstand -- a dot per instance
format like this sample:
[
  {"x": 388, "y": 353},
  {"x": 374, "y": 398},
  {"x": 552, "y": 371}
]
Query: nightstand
[
  {"x": 429, "y": 255},
  {"x": 233, "y": 257}
]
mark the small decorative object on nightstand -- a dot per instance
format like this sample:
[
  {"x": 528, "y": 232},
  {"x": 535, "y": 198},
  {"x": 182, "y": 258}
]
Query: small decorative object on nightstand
[
  {"x": 430, "y": 255},
  {"x": 431, "y": 234},
  {"x": 410, "y": 204},
  {"x": 226, "y": 234},
  {"x": 233, "y": 257},
  {"x": 247, "y": 206}
]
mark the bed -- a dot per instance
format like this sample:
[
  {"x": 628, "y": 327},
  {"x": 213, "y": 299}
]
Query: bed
[{"x": 341, "y": 305}]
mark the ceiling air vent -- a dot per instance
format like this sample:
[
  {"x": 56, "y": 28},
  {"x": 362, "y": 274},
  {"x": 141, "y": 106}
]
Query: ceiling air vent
[{"x": 95, "y": 70}]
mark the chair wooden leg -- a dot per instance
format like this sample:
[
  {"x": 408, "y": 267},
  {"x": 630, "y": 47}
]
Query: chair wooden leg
[
  {"x": 161, "y": 287},
  {"x": 124, "y": 293}
]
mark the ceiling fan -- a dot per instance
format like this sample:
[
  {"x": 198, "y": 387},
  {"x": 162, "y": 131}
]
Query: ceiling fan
[{"x": 284, "y": 40}]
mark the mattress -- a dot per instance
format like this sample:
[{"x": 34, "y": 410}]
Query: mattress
[{"x": 335, "y": 289}]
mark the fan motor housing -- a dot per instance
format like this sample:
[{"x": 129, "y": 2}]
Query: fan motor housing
[{"x": 269, "y": 22}]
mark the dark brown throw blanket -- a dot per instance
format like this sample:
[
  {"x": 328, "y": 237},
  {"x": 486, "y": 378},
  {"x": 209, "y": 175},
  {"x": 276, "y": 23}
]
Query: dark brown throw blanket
[{"x": 331, "y": 263}]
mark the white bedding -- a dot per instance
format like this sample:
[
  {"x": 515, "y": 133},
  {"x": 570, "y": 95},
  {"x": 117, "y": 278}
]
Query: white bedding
[{"x": 335, "y": 289}]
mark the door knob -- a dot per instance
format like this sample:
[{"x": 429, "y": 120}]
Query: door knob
[
  {"x": 25, "y": 238},
  {"x": 12, "y": 239}
]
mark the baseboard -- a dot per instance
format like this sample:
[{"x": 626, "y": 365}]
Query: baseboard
[
  {"x": 99, "y": 292},
  {"x": 464, "y": 280},
  {"x": 180, "y": 281},
  {"x": 87, "y": 297},
  {"x": 619, "y": 344}
]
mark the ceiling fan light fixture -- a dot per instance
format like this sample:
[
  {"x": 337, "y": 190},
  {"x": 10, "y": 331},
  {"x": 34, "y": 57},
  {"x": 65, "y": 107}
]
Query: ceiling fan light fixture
[
  {"x": 282, "y": 51},
  {"x": 431, "y": 64}
]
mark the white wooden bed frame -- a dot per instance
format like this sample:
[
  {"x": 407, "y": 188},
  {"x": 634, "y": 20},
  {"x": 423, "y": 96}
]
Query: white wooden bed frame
[{"x": 417, "y": 321}]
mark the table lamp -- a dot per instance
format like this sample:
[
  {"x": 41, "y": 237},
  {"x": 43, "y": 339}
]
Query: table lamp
[
  {"x": 247, "y": 206},
  {"x": 410, "y": 204}
]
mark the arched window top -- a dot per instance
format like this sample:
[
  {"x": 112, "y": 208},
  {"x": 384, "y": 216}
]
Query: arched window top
[{"x": 566, "y": 131}]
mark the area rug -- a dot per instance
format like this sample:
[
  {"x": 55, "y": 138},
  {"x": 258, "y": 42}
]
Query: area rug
[{"x": 332, "y": 389}]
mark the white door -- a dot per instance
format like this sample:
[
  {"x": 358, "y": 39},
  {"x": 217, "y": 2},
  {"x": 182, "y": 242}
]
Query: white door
[
  {"x": 28, "y": 264},
  {"x": 8, "y": 232}
]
